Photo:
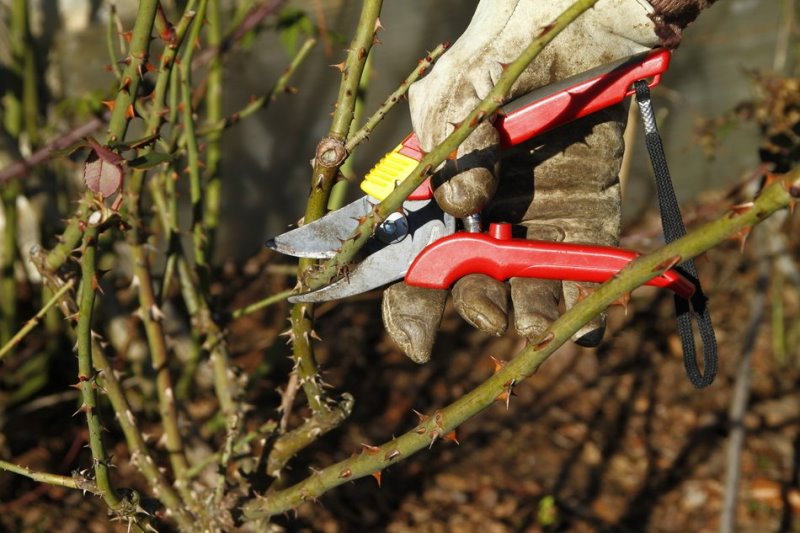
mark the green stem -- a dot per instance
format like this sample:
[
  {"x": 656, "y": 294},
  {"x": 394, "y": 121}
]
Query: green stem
[
  {"x": 111, "y": 37},
  {"x": 262, "y": 102},
  {"x": 192, "y": 150},
  {"x": 214, "y": 114},
  {"x": 339, "y": 190},
  {"x": 261, "y": 304},
  {"x": 8, "y": 256},
  {"x": 50, "y": 479},
  {"x": 443, "y": 421},
  {"x": 131, "y": 76},
  {"x": 140, "y": 455},
  {"x": 366, "y": 130},
  {"x": 329, "y": 157},
  {"x": 86, "y": 377},
  {"x": 37, "y": 318}
]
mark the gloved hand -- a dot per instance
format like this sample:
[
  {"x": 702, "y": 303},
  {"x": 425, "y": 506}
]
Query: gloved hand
[{"x": 563, "y": 186}]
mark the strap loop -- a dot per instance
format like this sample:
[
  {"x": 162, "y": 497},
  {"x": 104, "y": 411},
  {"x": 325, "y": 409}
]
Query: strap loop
[{"x": 672, "y": 223}]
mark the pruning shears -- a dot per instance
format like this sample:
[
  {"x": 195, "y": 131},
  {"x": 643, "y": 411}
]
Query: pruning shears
[{"x": 420, "y": 243}]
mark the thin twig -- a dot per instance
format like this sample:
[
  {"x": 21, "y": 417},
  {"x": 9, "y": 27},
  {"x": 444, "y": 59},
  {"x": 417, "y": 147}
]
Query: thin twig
[
  {"x": 51, "y": 479},
  {"x": 43, "y": 154},
  {"x": 369, "y": 126},
  {"x": 741, "y": 396},
  {"x": 262, "y": 102},
  {"x": 34, "y": 321}
]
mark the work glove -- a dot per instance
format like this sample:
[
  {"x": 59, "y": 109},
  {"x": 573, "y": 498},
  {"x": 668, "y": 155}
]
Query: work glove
[{"x": 561, "y": 186}]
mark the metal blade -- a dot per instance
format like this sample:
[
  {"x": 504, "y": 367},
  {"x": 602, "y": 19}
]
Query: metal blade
[
  {"x": 428, "y": 223},
  {"x": 322, "y": 238}
]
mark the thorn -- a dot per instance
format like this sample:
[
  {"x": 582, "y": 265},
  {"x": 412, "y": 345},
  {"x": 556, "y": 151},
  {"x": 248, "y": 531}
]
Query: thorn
[
  {"x": 741, "y": 236},
  {"x": 109, "y": 104},
  {"x": 623, "y": 301},
  {"x": 480, "y": 117},
  {"x": 667, "y": 264},
  {"x": 130, "y": 112},
  {"x": 377, "y": 476},
  {"x": 346, "y": 473},
  {"x": 547, "y": 339},
  {"x": 96, "y": 284},
  {"x": 156, "y": 315},
  {"x": 378, "y": 26},
  {"x": 127, "y": 36},
  {"x": 451, "y": 436},
  {"x": 84, "y": 408},
  {"x": 369, "y": 449},
  {"x": 422, "y": 417},
  {"x": 340, "y": 67},
  {"x": 361, "y": 54},
  {"x": 583, "y": 292},
  {"x": 507, "y": 393},
  {"x": 126, "y": 84},
  {"x": 434, "y": 436},
  {"x": 740, "y": 209},
  {"x": 391, "y": 455},
  {"x": 498, "y": 364}
]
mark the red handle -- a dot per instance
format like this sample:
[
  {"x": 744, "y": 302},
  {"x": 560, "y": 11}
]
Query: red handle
[
  {"x": 560, "y": 103},
  {"x": 497, "y": 255}
]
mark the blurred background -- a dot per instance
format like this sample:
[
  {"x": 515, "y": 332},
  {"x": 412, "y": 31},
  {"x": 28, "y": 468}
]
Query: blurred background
[
  {"x": 612, "y": 439},
  {"x": 265, "y": 166}
]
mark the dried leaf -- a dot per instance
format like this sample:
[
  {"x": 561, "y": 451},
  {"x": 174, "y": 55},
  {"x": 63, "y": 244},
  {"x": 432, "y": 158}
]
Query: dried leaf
[{"x": 102, "y": 176}]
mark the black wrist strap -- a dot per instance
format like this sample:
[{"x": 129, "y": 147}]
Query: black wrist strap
[{"x": 674, "y": 229}]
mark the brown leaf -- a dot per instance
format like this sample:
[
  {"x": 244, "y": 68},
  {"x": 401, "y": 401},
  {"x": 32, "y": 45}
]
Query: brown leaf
[
  {"x": 102, "y": 171},
  {"x": 102, "y": 177}
]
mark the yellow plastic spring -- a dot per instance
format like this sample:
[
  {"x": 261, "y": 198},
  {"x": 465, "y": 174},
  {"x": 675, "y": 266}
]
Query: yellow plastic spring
[{"x": 392, "y": 169}]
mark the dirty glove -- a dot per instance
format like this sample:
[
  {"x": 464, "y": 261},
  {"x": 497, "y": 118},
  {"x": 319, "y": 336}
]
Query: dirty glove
[{"x": 563, "y": 186}]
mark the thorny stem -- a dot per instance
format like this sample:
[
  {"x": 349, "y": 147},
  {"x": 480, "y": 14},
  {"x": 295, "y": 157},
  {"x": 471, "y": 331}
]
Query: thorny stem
[
  {"x": 34, "y": 321},
  {"x": 330, "y": 156},
  {"x": 776, "y": 196},
  {"x": 192, "y": 150},
  {"x": 111, "y": 36},
  {"x": 140, "y": 455},
  {"x": 86, "y": 377},
  {"x": 262, "y": 102},
  {"x": 148, "y": 306},
  {"x": 366, "y": 130},
  {"x": 484, "y": 111},
  {"x": 132, "y": 75},
  {"x": 50, "y": 479},
  {"x": 289, "y": 444},
  {"x": 214, "y": 140}
]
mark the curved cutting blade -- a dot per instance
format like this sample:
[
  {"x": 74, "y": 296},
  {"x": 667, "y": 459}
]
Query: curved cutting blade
[
  {"x": 322, "y": 238},
  {"x": 427, "y": 223}
]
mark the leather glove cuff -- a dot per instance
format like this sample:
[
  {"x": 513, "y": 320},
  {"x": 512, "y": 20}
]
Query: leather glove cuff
[{"x": 672, "y": 16}]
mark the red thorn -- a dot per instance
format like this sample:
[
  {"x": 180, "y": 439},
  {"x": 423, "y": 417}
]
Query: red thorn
[
  {"x": 667, "y": 264},
  {"x": 547, "y": 339},
  {"x": 377, "y": 476},
  {"x": 451, "y": 437},
  {"x": 370, "y": 450},
  {"x": 498, "y": 364}
]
